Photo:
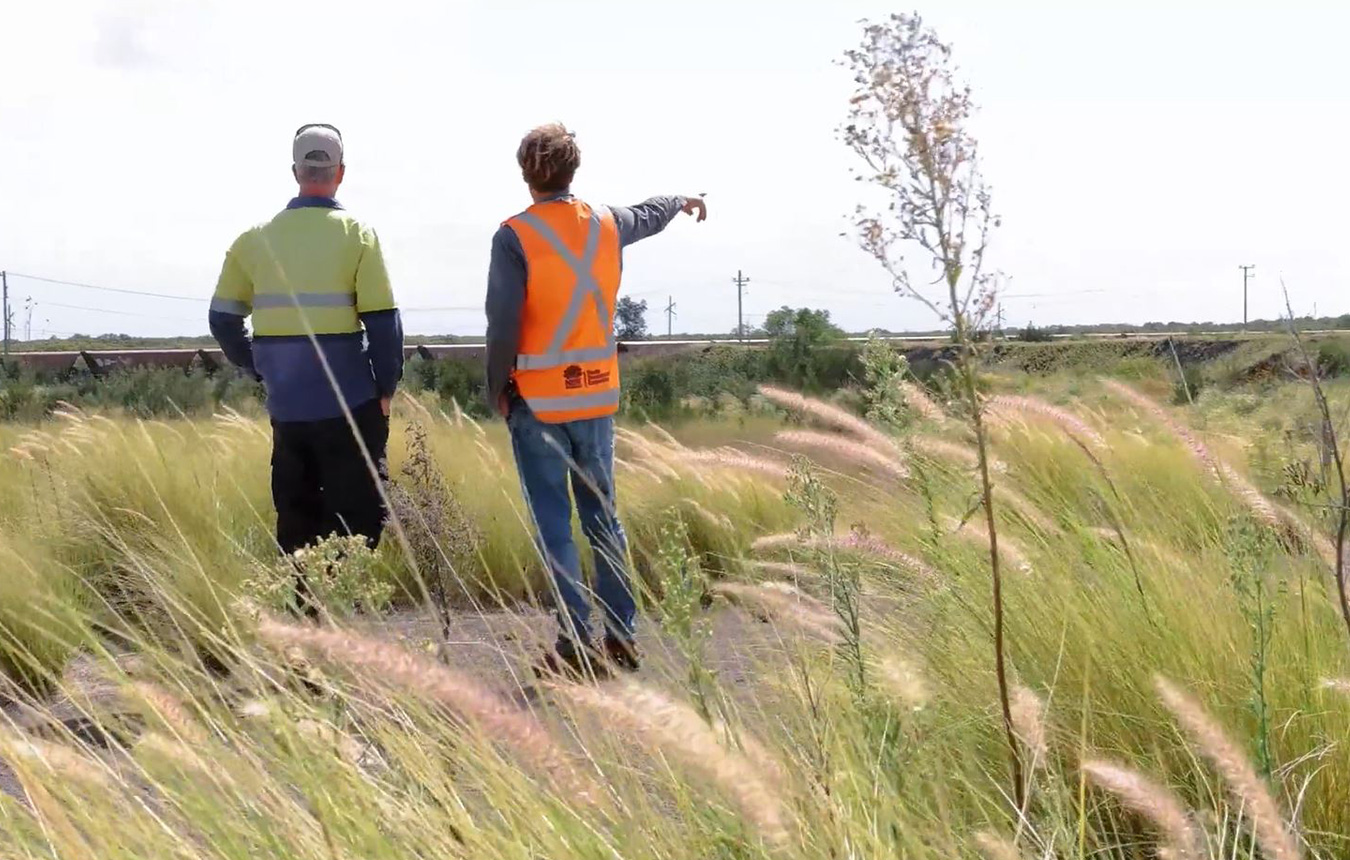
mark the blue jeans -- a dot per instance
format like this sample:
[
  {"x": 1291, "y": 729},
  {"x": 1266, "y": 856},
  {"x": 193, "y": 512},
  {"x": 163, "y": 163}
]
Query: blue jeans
[{"x": 549, "y": 457}]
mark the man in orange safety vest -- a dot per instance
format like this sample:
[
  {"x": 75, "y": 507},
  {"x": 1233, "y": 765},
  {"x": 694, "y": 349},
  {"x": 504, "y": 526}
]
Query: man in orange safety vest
[{"x": 553, "y": 373}]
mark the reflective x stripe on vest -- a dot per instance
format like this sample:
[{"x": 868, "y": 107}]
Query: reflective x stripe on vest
[
  {"x": 574, "y": 401},
  {"x": 586, "y": 286}
]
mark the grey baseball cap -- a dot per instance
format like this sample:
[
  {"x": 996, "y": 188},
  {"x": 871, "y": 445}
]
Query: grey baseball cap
[{"x": 317, "y": 145}]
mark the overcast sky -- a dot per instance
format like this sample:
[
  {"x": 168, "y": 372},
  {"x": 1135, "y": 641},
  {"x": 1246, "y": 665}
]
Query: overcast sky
[{"x": 1139, "y": 152}]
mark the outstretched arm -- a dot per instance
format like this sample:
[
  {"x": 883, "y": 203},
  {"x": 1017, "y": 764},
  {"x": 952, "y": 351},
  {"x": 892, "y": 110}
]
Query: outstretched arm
[{"x": 651, "y": 216}]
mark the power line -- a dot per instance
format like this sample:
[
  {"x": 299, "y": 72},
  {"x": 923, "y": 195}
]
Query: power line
[
  {"x": 1246, "y": 275},
  {"x": 107, "y": 289},
  {"x": 740, "y": 281},
  {"x": 118, "y": 313}
]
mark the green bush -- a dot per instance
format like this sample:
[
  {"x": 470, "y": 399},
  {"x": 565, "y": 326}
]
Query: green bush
[
  {"x": 464, "y": 382},
  {"x": 649, "y": 389},
  {"x": 1333, "y": 358},
  {"x": 1031, "y": 334},
  {"x": 1191, "y": 383}
]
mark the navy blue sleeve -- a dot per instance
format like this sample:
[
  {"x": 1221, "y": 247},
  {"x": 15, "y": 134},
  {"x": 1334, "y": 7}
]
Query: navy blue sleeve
[
  {"x": 505, "y": 301},
  {"x": 648, "y": 218},
  {"x": 228, "y": 330},
  {"x": 384, "y": 339}
]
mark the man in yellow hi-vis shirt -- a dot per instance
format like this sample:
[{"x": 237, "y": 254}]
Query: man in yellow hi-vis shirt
[{"x": 327, "y": 344}]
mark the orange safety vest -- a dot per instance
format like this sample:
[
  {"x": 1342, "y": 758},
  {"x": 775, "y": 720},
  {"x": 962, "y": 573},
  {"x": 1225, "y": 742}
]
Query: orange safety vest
[{"x": 567, "y": 364}]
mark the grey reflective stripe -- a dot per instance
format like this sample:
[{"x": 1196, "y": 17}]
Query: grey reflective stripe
[
  {"x": 230, "y": 306},
  {"x": 586, "y": 285},
  {"x": 304, "y": 300},
  {"x": 576, "y": 401},
  {"x": 544, "y": 361}
]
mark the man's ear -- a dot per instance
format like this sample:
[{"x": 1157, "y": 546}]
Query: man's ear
[
  {"x": 341, "y": 172},
  {"x": 295, "y": 173}
]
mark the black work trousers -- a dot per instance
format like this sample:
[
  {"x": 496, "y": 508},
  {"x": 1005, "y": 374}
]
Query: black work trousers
[{"x": 321, "y": 483}]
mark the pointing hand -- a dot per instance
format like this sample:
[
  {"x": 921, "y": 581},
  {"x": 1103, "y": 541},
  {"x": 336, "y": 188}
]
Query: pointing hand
[{"x": 694, "y": 205}]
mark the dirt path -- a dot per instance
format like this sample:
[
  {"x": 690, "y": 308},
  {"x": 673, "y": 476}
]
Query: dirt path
[{"x": 498, "y": 647}]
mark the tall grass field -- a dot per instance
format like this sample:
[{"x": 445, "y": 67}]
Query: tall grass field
[{"x": 818, "y": 677}]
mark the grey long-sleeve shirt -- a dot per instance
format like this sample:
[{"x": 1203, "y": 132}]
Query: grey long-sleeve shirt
[{"x": 507, "y": 276}]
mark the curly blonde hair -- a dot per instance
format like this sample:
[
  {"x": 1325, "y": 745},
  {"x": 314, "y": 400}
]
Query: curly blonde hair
[{"x": 548, "y": 157}]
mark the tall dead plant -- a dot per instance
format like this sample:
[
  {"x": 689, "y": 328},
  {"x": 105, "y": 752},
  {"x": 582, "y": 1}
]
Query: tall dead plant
[
  {"x": 1330, "y": 444},
  {"x": 909, "y": 124},
  {"x": 440, "y": 536}
]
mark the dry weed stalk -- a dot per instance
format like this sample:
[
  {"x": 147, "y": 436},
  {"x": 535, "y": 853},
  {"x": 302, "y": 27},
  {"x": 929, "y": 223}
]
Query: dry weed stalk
[
  {"x": 1151, "y": 801},
  {"x": 388, "y": 664},
  {"x": 844, "y": 448},
  {"x": 676, "y": 729},
  {"x": 1005, "y": 405},
  {"x": 1246, "y": 787},
  {"x": 829, "y": 415},
  {"x": 1332, "y": 455},
  {"x": 910, "y": 125}
]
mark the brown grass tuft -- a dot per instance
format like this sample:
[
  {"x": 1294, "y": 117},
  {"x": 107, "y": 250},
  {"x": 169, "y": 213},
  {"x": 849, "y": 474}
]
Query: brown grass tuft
[
  {"x": 796, "y": 609},
  {"x": 730, "y": 458},
  {"x": 918, "y": 400},
  {"x": 830, "y": 415},
  {"x": 170, "y": 711},
  {"x": 1004, "y": 406},
  {"x": 56, "y": 760},
  {"x": 677, "y": 730},
  {"x": 904, "y": 681},
  {"x": 844, "y": 448},
  {"x": 1263, "y": 509},
  {"x": 977, "y": 533},
  {"x": 1152, "y": 801},
  {"x": 388, "y": 664},
  {"x": 1028, "y": 718},
  {"x": 852, "y": 542},
  {"x": 953, "y": 452},
  {"x": 994, "y": 847},
  {"x": 1246, "y": 787}
]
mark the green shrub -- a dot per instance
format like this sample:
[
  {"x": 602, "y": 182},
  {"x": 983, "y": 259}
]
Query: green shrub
[
  {"x": 1333, "y": 358},
  {"x": 649, "y": 388},
  {"x": 1031, "y": 334},
  {"x": 450, "y": 379}
]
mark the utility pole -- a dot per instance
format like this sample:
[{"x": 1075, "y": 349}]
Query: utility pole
[
  {"x": 28, "y": 306},
  {"x": 670, "y": 314},
  {"x": 4, "y": 287},
  {"x": 1000, "y": 319},
  {"x": 740, "y": 281},
  {"x": 1246, "y": 275}
]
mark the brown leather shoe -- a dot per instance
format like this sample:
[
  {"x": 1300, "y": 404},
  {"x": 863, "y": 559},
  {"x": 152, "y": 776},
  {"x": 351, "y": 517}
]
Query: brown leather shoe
[
  {"x": 622, "y": 653},
  {"x": 572, "y": 665}
]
